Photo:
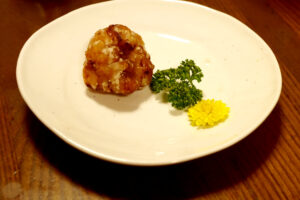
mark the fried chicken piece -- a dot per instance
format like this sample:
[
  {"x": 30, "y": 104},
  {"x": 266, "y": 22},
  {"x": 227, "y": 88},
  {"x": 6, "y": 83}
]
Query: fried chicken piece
[{"x": 117, "y": 62}]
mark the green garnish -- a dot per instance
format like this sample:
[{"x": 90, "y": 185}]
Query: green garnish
[{"x": 177, "y": 83}]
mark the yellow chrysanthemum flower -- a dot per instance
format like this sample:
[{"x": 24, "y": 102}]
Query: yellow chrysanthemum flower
[{"x": 207, "y": 113}]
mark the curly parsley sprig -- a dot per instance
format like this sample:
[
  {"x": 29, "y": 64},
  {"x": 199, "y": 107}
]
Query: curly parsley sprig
[{"x": 178, "y": 85}]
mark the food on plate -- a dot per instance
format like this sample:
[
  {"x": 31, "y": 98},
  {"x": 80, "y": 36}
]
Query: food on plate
[
  {"x": 180, "y": 91},
  {"x": 177, "y": 83},
  {"x": 116, "y": 61},
  {"x": 207, "y": 113}
]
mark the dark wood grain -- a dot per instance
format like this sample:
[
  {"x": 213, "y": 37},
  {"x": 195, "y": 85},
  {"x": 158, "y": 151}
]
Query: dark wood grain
[{"x": 35, "y": 164}]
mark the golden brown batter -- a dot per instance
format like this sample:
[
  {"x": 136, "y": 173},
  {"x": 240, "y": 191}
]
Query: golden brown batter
[{"x": 116, "y": 61}]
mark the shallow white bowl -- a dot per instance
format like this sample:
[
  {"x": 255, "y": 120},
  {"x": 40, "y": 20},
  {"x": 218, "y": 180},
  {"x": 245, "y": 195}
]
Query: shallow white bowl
[{"x": 239, "y": 68}]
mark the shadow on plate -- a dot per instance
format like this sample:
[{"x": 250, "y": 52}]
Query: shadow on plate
[
  {"x": 163, "y": 99},
  {"x": 120, "y": 103},
  {"x": 198, "y": 177}
]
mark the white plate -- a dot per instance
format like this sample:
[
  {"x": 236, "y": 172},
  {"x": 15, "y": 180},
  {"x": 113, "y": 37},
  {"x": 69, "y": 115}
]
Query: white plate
[{"x": 239, "y": 68}]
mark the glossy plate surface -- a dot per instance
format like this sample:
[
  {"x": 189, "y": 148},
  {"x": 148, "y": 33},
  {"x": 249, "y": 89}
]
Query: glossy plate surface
[{"x": 239, "y": 69}]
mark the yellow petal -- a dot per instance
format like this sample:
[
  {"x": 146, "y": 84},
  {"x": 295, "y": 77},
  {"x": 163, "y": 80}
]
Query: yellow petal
[{"x": 207, "y": 113}]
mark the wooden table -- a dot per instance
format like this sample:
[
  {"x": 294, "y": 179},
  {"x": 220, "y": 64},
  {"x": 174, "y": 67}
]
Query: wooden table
[{"x": 35, "y": 164}]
